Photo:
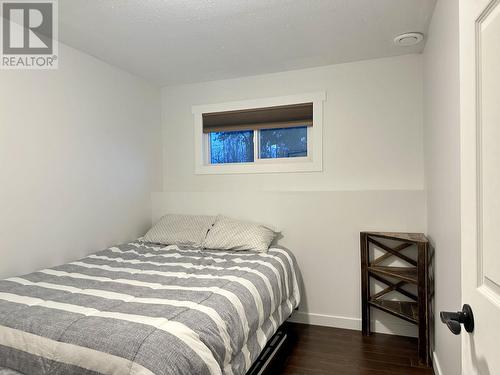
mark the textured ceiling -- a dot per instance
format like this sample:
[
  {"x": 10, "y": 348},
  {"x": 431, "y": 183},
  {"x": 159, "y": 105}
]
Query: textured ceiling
[{"x": 179, "y": 41}]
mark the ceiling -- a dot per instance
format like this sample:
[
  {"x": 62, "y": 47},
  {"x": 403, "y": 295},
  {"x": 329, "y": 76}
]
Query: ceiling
[{"x": 181, "y": 41}]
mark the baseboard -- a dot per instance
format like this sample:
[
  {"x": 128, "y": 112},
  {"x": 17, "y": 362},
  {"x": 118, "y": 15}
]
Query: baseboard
[
  {"x": 351, "y": 323},
  {"x": 326, "y": 320},
  {"x": 435, "y": 364}
]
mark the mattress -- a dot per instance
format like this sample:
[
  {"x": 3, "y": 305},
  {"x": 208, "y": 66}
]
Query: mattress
[{"x": 143, "y": 309}]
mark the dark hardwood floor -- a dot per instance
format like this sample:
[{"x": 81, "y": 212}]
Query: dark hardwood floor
[{"x": 319, "y": 350}]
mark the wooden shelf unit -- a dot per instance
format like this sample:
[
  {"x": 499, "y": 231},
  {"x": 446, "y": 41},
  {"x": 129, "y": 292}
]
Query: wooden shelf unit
[{"x": 416, "y": 308}]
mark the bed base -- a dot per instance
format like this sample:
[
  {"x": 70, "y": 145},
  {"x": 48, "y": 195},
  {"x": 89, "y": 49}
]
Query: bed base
[{"x": 274, "y": 354}]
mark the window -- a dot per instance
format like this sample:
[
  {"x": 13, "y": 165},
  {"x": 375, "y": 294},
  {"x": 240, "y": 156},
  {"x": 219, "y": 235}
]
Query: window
[
  {"x": 246, "y": 136},
  {"x": 283, "y": 143},
  {"x": 238, "y": 146},
  {"x": 231, "y": 147},
  {"x": 266, "y": 135}
]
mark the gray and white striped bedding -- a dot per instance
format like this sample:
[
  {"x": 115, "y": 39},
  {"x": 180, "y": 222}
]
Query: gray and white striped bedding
[{"x": 143, "y": 309}]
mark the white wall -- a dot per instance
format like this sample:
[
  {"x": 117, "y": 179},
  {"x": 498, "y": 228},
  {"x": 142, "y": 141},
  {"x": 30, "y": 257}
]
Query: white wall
[
  {"x": 372, "y": 178},
  {"x": 372, "y": 137},
  {"x": 80, "y": 153},
  {"x": 442, "y": 169}
]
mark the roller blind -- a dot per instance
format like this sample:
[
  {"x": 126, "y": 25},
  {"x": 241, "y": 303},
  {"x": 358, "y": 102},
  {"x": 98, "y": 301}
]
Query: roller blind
[{"x": 286, "y": 116}]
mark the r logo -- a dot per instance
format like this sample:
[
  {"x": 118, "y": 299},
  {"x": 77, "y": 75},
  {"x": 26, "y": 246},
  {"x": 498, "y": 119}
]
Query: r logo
[{"x": 27, "y": 28}]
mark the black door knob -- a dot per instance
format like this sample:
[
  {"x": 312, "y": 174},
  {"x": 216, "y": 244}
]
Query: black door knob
[{"x": 454, "y": 320}]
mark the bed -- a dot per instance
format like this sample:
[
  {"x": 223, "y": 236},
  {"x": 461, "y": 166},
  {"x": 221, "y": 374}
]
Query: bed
[{"x": 143, "y": 309}]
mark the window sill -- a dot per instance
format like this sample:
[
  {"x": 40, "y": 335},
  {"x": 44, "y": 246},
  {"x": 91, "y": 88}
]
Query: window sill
[{"x": 266, "y": 167}]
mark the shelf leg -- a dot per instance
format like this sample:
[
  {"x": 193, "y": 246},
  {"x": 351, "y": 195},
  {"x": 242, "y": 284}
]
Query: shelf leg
[
  {"x": 365, "y": 285},
  {"x": 423, "y": 306}
]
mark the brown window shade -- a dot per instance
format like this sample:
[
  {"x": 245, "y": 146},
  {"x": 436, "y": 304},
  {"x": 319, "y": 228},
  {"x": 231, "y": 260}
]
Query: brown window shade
[{"x": 285, "y": 116}]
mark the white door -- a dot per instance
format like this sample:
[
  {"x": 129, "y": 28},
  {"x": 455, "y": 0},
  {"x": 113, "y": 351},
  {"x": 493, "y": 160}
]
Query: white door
[{"x": 480, "y": 181}]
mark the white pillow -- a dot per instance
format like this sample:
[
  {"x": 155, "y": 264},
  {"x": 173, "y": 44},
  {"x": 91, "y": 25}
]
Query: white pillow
[
  {"x": 180, "y": 230},
  {"x": 231, "y": 234}
]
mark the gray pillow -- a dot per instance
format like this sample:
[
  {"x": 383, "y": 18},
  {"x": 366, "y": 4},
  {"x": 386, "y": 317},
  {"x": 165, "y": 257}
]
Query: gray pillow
[
  {"x": 180, "y": 230},
  {"x": 231, "y": 234}
]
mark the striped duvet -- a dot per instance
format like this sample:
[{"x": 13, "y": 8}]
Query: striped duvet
[{"x": 144, "y": 309}]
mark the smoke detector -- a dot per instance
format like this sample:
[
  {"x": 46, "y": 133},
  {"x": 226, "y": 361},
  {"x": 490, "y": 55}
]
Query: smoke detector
[{"x": 408, "y": 39}]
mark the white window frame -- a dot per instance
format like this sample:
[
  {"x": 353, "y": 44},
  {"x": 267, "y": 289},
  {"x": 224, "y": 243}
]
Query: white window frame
[{"x": 313, "y": 162}]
